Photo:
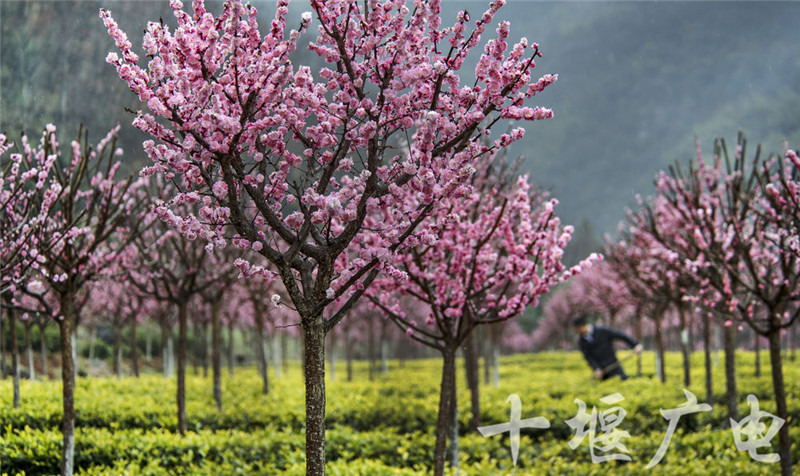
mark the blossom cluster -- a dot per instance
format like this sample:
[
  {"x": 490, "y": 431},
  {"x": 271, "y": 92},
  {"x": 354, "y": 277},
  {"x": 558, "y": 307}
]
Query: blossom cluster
[{"x": 303, "y": 162}]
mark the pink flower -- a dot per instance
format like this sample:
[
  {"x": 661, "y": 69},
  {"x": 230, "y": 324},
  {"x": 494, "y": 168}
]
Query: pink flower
[{"x": 220, "y": 189}]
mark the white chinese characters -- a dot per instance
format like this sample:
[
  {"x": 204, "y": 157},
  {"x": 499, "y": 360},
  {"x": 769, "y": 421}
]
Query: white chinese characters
[{"x": 601, "y": 429}]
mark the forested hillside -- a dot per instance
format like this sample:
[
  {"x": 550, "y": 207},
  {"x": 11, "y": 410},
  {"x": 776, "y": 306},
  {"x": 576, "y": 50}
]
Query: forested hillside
[{"x": 637, "y": 82}]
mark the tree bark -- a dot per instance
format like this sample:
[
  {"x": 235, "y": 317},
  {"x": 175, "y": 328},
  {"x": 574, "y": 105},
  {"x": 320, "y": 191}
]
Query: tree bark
[
  {"x": 92, "y": 342},
  {"x": 453, "y": 433},
  {"x": 12, "y": 320},
  {"x": 757, "y": 346},
  {"x": 134, "y": 347},
  {"x": 285, "y": 352},
  {"x": 371, "y": 349},
  {"x": 231, "y": 350},
  {"x": 181, "y": 394},
  {"x": 778, "y": 387},
  {"x": 686, "y": 350},
  {"x": 444, "y": 420},
  {"x": 147, "y": 347},
  {"x": 66, "y": 326},
  {"x": 263, "y": 364},
  {"x": 471, "y": 369},
  {"x": 639, "y": 334},
  {"x": 662, "y": 369},
  {"x": 118, "y": 352},
  {"x": 2, "y": 351},
  {"x": 731, "y": 395},
  {"x": 216, "y": 352},
  {"x": 707, "y": 359},
  {"x": 43, "y": 348},
  {"x": 348, "y": 355},
  {"x": 29, "y": 352},
  {"x": 164, "y": 357},
  {"x": 274, "y": 345},
  {"x": 314, "y": 369},
  {"x": 384, "y": 355}
]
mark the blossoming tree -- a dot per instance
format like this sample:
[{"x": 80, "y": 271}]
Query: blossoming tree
[
  {"x": 79, "y": 243},
  {"x": 292, "y": 163},
  {"x": 499, "y": 250},
  {"x": 26, "y": 201}
]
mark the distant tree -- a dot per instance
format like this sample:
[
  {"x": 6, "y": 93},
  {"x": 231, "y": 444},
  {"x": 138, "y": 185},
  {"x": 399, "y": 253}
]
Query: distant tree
[
  {"x": 79, "y": 242},
  {"x": 583, "y": 243},
  {"x": 741, "y": 222},
  {"x": 498, "y": 250}
]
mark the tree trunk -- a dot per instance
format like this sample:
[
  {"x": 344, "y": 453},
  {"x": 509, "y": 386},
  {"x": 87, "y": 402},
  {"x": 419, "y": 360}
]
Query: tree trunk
[
  {"x": 778, "y": 387},
  {"x": 371, "y": 349},
  {"x": 348, "y": 355},
  {"x": 134, "y": 347},
  {"x": 164, "y": 357},
  {"x": 148, "y": 346},
  {"x": 92, "y": 342},
  {"x": 167, "y": 351},
  {"x": 757, "y": 346},
  {"x": 285, "y": 352},
  {"x": 263, "y": 364},
  {"x": 2, "y": 351},
  {"x": 274, "y": 343},
  {"x": 639, "y": 334},
  {"x": 216, "y": 353},
  {"x": 384, "y": 356},
  {"x": 314, "y": 369},
  {"x": 496, "y": 364},
  {"x": 444, "y": 421},
  {"x": 661, "y": 370},
  {"x": 181, "y": 394},
  {"x": 43, "y": 348},
  {"x": 231, "y": 350},
  {"x": 12, "y": 320},
  {"x": 29, "y": 351},
  {"x": 170, "y": 354},
  {"x": 471, "y": 369},
  {"x": 453, "y": 433},
  {"x": 686, "y": 350},
  {"x": 707, "y": 359},
  {"x": 118, "y": 352},
  {"x": 66, "y": 326},
  {"x": 731, "y": 395}
]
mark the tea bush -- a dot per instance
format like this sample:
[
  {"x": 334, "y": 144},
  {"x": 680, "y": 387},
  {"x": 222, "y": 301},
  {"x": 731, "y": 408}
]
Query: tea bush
[{"x": 385, "y": 426}]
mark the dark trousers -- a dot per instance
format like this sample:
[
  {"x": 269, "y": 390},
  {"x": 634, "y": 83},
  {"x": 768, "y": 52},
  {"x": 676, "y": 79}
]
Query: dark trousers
[{"x": 617, "y": 370}]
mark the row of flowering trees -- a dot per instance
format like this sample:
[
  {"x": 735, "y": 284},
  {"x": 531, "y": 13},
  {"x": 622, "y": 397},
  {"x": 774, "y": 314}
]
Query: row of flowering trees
[
  {"x": 372, "y": 175},
  {"x": 717, "y": 244}
]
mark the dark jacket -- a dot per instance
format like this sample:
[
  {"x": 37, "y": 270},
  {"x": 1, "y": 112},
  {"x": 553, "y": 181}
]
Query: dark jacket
[{"x": 599, "y": 349}]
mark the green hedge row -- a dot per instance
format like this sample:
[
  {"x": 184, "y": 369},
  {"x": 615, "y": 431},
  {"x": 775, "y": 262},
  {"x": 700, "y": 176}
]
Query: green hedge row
[{"x": 378, "y": 427}]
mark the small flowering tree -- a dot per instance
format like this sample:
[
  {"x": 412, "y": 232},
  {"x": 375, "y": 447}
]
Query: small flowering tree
[
  {"x": 79, "y": 244},
  {"x": 292, "y": 164},
  {"x": 26, "y": 201},
  {"x": 499, "y": 249},
  {"x": 171, "y": 269},
  {"x": 552, "y": 331},
  {"x": 732, "y": 224}
]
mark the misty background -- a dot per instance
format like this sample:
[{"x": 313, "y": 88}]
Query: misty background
[{"x": 638, "y": 81}]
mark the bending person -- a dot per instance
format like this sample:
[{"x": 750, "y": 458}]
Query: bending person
[{"x": 597, "y": 345}]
